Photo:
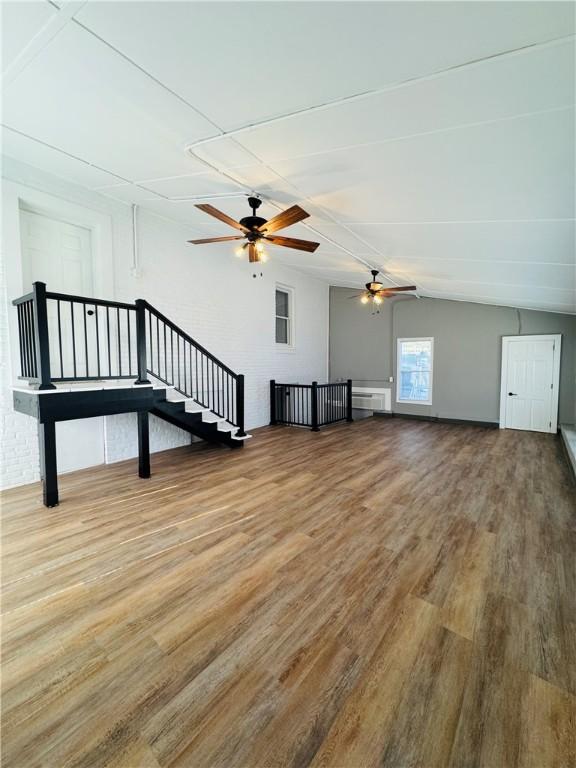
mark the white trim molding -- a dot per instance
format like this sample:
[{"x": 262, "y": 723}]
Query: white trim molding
[{"x": 291, "y": 345}]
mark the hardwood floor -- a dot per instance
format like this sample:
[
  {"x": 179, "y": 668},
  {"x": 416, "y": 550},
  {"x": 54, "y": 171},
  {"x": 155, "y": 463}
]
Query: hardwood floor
[{"x": 387, "y": 593}]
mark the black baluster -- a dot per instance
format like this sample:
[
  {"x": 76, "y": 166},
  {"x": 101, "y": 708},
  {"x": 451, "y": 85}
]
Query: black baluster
[
  {"x": 26, "y": 370},
  {"x": 165, "y": 355},
  {"x": 73, "y": 340},
  {"x": 109, "y": 345},
  {"x": 97, "y": 339},
  {"x": 202, "y": 376},
  {"x": 129, "y": 342},
  {"x": 150, "y": 337},
  {"x": 28, "y": 338},
  {"x": 158, "y": 346},
  {"x": 60, "y": 339},
  {"x": 21, "y": 339},
  {"x": 119, "y": 342},
  {"x": 85, "y": 337},
  {"x": 191, "y": 368}
]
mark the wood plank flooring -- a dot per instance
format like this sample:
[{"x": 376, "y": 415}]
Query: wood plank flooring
[{"x": 387, "y": 593}]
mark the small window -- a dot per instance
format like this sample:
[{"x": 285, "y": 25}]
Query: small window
[
  {"x": 414, "y": 367},
  {"x": 283, "y": 317}
]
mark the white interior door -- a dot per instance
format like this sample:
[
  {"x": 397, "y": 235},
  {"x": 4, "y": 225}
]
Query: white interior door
[
  {"x": 530, "y": 382},
  {"x": 60, "y": 255}
]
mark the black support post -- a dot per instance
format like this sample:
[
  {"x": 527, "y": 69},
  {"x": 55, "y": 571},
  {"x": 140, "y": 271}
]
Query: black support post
[
  {"x": 48, "y": 469},
  {"x": 349, "y": 400},
  {"x": 314, "y": 395},
  {"x": 240, "y": 405},
  {"x": 143, "y": 445},
  {"x": 41, "y": 338},
  {"x": 273, "y": 421},
  {"x": 141, "y": 343}
]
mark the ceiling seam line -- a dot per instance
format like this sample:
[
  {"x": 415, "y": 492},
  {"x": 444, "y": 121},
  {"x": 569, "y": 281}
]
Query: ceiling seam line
[
  {"x": 456, "y": 221},
  {"x": 417, "y": 135},
  {"x": 67, "y": 154},
  {"x": 63, "y": 17},
  {"x": 148, "y": 74},
  {"x": 377, "y": 91}
]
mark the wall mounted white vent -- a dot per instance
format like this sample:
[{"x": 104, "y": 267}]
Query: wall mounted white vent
[{"x": 372, "y": 398}]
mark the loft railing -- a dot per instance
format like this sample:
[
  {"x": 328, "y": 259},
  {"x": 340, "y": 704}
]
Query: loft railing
[
  {"x": 75, "y": 338},
  {"x": 310, "y": 405}
]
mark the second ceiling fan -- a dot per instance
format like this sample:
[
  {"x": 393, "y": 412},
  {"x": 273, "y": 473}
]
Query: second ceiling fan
[
  {"x": 257, "y": 231},
  {"x": 376, "y": 291}
]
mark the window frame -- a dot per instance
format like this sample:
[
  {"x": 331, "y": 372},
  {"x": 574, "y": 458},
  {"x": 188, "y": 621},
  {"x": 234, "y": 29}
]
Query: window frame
[
  {"x": 290, "y": 344},
  {"x": 399, "y": 343}
]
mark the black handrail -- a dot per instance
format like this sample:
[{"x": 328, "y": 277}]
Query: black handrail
[
  {"x": 178, "y": 360},
  {"x": 88, "y": 300},
  {"x": 310, "y": 405},
  {"x": 80, "y": 338},
  {"x": 188, "y": 338}
]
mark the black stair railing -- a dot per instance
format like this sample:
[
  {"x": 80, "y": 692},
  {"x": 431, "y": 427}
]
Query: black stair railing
[
  {"x": 178, "y": 360},
  {"x": 75, "y": 338},
  {"x": 310, "y": 405}
]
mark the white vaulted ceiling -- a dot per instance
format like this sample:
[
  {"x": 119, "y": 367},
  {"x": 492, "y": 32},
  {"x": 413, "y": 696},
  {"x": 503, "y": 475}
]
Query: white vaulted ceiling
[{"x": 432, "y": 140}]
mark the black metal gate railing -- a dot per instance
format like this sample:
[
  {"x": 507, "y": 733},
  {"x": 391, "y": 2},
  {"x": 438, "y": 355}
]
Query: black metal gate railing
[{"x": 310, "y": 405}]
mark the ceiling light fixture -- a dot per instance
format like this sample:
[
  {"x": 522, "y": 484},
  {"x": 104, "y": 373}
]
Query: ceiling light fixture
[
  {"x": 375, "y": 290},
  {"x": 258, "y": 231}
]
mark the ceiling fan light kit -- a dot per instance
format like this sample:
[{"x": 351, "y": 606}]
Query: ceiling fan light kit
[
  {"x": 257, "y": 231},
  {"x": 375, "y": 291}
]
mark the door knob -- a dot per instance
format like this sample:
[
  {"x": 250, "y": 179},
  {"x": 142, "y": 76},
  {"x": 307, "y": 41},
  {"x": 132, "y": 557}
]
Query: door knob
[{"x": 512, "y": 394}]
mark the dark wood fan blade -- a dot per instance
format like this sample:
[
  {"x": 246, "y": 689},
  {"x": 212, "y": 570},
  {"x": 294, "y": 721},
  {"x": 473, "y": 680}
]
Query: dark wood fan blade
[
  {"x": 398, "y": 288},
  {"x": 216, "y": 239},
  {"x": 293, "y": 242},
  {"x": 284, "y": 219},
  {"x": 209, "y": 209},
  {"x": 253, "y": 254},
  {"x": 357, "y": 295}
]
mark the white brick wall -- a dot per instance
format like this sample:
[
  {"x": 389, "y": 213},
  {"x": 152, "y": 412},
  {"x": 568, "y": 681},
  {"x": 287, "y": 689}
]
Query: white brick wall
[{"x": 208, "y": 292}]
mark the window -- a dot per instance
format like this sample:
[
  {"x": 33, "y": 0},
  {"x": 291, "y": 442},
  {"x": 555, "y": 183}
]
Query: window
[
  {"x": 414, "y": 367},
  {"x": 284, "y": 333}
]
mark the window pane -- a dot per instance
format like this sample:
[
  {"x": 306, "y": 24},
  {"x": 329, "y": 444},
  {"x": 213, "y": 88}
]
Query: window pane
[
  {"x": 414, "y": 371},
  {"x": 282, "y": 303},
  {"x": 281, "y": 331},
  {"x": 415, "y": 385},
  {"x": 415, "y": 355}
]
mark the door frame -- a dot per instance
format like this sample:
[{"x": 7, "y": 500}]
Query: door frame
[
  {"x": 506, "y": 340},
  {"x": 44, "y": 203}
]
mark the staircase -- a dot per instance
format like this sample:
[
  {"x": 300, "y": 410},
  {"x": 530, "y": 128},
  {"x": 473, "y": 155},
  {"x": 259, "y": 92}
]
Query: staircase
[
  {"x": 187, "y": 414},
  {"x": 83, "y": 357}
]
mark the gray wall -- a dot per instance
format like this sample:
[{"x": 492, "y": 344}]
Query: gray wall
[{"x": 467, "y": 349}]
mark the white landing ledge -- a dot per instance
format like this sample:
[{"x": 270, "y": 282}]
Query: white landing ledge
[
  {"x": 78, "y": 386},
  {"x": 568, "y": 432}
]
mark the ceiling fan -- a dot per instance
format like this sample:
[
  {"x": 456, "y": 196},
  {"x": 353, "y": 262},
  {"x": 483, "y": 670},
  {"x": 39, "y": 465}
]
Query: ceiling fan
[
  {"x": 376, "y": 292},
  {"x": 257, "y": 231}
]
